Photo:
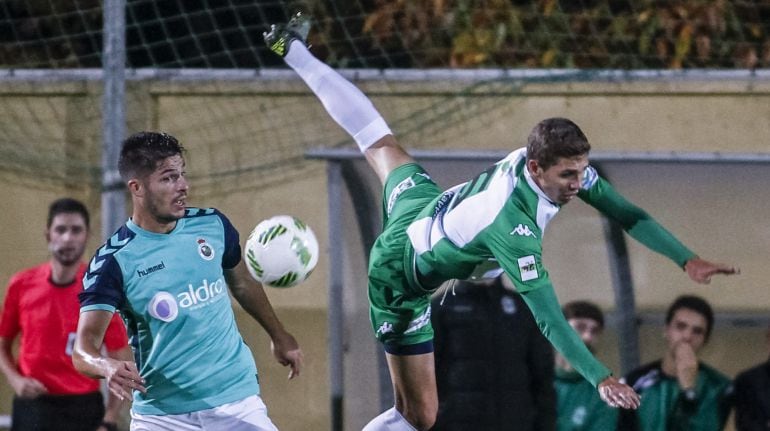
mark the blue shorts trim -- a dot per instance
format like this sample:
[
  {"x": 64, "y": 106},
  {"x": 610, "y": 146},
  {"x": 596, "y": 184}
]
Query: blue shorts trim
[
  {"x": 412, "y": 349},
  {"x": 101, "y": 307}
]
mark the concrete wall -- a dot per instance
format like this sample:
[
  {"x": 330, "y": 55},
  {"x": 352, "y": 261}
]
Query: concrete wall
[{"x": 231, "y": 126}]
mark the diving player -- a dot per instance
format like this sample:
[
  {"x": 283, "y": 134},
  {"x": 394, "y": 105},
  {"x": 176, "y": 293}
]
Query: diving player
[{"x": 495, "y": 220}]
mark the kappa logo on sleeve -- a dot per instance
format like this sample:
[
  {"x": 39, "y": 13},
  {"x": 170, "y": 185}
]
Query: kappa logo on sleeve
[{"x": 527, "y": 268}]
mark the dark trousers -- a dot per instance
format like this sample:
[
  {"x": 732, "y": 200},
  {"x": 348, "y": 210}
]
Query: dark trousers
[{"x": 58, "y": 413}]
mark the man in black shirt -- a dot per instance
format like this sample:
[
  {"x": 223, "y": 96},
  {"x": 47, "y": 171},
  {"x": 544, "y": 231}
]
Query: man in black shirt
[
  {"x": 752, "y": 397},
  {"x": 494, "y": 368}
]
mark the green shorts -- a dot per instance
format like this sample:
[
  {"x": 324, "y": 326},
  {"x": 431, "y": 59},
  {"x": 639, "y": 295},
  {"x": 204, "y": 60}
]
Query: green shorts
[{"x": 400, "y": 312}]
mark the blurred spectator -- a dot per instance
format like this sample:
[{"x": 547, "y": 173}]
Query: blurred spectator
[
  {"x": 579, "y": 407},
  {"x": 752, "y": 397},
  {"x": 679, "y": 392},
  {"x": 41, "y": 306},
  {"x": 493, "y": 366}
]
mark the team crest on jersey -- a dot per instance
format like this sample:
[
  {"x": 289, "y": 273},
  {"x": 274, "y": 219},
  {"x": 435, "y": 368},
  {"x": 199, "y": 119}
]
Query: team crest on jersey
[
  {"x": 205, "y": 250},
  {"x": 579, "y": 416},
  {"x": 508, "y": 305}
]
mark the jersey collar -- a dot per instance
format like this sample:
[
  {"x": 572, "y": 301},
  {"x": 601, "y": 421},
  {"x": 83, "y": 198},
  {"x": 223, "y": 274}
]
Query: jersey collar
[{"x": 146, "y": 233}]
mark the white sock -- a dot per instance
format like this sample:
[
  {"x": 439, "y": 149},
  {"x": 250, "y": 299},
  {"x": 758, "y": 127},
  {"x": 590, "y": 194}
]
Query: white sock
[
  {"x": 389, "y": 420},
  {"x": 346, "y": 104}
]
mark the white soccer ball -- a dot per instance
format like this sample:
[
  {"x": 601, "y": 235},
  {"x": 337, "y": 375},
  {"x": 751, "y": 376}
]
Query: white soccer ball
[{"x": 281, "y": 251}]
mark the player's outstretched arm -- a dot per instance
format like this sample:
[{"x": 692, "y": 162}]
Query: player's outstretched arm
[
  {"x": 701, "y": 270},
  {"x": 122, "y": 376},
  {"x": 253, "y": 299},
  {"x": 617, "y": 394},
  {"x": 645, "y": 229},
  {"x": 545, "y": 308}
]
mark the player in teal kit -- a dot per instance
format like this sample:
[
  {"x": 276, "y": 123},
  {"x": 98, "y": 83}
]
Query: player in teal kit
[
  {"x": 492, "y": 223},
  {"x": 167, "y": 271}
]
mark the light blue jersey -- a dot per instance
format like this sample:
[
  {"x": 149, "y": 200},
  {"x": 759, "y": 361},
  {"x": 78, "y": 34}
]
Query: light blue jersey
[{"x": 170, "y": 290}]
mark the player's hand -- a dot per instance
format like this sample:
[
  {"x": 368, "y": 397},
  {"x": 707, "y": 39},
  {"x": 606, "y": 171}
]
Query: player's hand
[
  {"x": 287, "y": 352},
  {"x": 686, "y": 365},
  {"x": 700, "y": 270},
  {"x": 617, "y": 394},
  {"x": 123, "y": 378},
  {"x": 27, "y": 387}
]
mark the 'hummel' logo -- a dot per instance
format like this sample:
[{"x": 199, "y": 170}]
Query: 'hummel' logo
[
  {"x": 523, "y": 230},
  {"x": 150, "y": 270}
]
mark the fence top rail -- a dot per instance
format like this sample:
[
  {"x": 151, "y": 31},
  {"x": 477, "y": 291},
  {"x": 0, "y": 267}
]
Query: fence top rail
[
  {"x": 336, "y": 154},
  {"x": 468, "y": 75}
]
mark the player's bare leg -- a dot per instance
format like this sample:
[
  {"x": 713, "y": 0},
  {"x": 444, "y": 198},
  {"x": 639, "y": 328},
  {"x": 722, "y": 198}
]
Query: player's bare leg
[
  {"x": 344, "y": 102},
  {"x": 414, "y": 387},
  {"x": 385, "y": 155}
]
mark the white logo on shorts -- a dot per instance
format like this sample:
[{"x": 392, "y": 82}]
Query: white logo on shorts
[
  {"x": 384, "y": 328},
  {"x": 419, "y": 322},
  {"x": 400, "y": 188}
]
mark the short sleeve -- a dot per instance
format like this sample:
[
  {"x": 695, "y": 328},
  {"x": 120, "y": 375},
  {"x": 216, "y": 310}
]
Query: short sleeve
[
  {"x": 232, "y": 254},
  {"x": 102, "y": 285},
  {"x": 9, "y": 321}
]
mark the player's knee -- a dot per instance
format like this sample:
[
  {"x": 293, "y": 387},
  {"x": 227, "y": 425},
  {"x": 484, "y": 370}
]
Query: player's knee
[{"x": 386, "y": 155}]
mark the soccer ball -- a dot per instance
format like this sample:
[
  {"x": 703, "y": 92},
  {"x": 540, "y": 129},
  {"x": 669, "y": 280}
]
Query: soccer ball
[{"x": 281, "y": 251}]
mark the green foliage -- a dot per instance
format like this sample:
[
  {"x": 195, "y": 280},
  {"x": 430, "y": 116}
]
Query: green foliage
[
  {"x": 570, "y": 34},
  {"x": 605, "y": 34}
]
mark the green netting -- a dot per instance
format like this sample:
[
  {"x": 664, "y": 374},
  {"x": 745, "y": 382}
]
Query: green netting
[{"x": 53, "y": 135}]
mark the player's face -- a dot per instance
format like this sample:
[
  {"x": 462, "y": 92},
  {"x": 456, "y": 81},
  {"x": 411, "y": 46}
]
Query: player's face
[
  {"x": 686, "y": 326},
  {"x": 67, "y": 238},
  {"x": 165, "y": 195},
  {"x": 560, "y": 182},
  {"x": 588, "y": 330}
]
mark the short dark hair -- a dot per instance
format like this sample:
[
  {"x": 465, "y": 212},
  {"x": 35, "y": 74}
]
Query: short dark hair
[
  {"x": 583, "y": 310},
  {"x": 67, "y": 206},
  {"x": 696, "y": 304},
  {"x": 555, "y": 138},
  {"x": 142, "y": 152}
]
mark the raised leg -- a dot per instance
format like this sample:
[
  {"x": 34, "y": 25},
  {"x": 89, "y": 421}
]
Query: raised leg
[{"x": 344, "y": 102}]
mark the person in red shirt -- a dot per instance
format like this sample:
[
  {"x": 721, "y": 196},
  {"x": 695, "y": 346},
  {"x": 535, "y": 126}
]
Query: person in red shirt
[{"x": 41, "y": 307}]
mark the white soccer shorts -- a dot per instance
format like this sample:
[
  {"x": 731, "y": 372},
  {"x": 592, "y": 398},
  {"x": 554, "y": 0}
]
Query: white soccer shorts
[{"x": 248, "y": 414}]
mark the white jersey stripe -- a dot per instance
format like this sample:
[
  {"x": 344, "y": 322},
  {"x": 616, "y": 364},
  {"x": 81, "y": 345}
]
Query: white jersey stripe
[{"x": 464, "y": 222}]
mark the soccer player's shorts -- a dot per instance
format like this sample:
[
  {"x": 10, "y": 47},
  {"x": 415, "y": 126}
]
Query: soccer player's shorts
[
  {"x": 248, "y": 414},
  {"x": 400, "y": 312}
]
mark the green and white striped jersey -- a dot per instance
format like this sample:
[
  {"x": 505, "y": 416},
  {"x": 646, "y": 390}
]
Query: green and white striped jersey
[{"x": 497, "y": 220}]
